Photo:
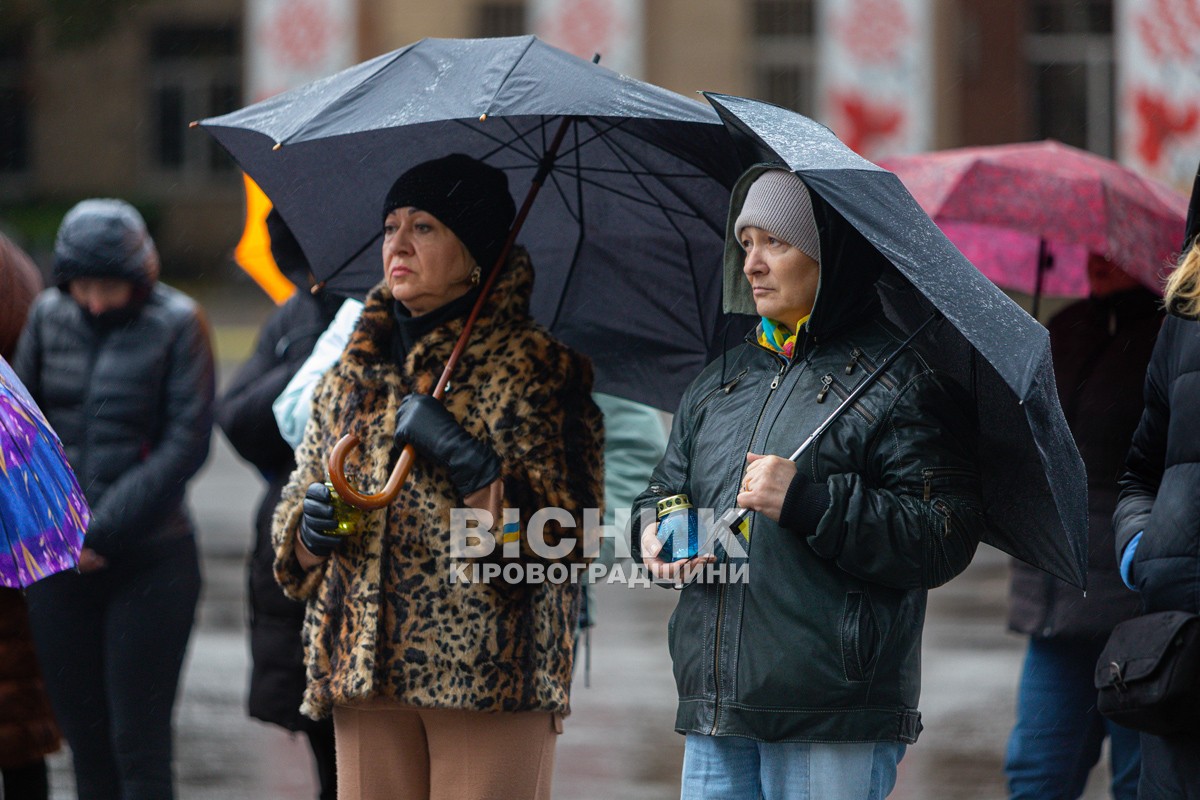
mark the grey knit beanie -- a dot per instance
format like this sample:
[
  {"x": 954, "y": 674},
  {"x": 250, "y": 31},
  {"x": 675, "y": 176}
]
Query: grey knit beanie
[{"x": 778, "y": 202}]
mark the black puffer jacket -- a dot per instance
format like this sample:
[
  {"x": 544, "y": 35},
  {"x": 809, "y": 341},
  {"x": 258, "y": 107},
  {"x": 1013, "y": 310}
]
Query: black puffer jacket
[
  {"x": 1101, "y": 347},
  {"x": 132, "y": 402},
  {"x": 822, "y": 642},
  {"x": 1160, "y": 488},
  {"x": 277, "y": 678}
]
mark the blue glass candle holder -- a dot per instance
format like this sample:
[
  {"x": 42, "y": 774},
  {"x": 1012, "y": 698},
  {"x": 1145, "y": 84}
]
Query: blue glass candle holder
[{"x": 678, "y": 528}]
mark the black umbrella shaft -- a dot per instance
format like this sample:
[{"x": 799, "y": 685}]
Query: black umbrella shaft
[
  {"x": 852, "y": 398},
  {"x": 1045, "y": 261}
]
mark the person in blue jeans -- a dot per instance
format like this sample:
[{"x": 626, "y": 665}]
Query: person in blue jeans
[
  {"x": 1101, "y": 346},
  {"x": 802, "y": 680}
]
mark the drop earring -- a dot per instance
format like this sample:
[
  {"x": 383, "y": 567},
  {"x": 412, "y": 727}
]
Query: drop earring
[{"x": 476, "y": 274}]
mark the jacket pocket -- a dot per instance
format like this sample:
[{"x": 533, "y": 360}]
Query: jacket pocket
[{"x": 859, "y": 637}]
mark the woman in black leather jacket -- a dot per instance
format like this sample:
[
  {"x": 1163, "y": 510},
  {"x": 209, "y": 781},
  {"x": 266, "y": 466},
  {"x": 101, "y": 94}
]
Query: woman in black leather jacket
[
  {"x": 122, "y": 367},
  {"x": 1157, "y": 521},
  {"x": 802, "y": 679}
]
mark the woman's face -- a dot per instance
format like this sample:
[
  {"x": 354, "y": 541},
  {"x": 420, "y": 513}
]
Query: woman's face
[
  {"x": 424, "y": 263},
  {"x": 783, "y": 278},
  {"x": 99, "y": 295}
]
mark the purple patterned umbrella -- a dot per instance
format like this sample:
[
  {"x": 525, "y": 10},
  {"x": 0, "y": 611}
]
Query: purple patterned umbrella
[{"x": 43, "y": 513}]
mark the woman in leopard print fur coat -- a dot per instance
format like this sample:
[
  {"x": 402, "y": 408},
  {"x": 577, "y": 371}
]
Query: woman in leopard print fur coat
[{"x": 441, "y": 687}]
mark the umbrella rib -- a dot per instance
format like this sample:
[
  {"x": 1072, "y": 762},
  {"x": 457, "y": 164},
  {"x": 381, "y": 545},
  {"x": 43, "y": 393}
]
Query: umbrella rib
[
  {"x": 694, "y": 211},
  {"x": 507, "y": 75},
  {"x": 502, "y": 144},
  {"x": 554, "y": 175},
  {"x": 620, "y": 124},
  {"x": 562, "y": 295},
  {"x": 336, "y": 100},
  {"x": 337, "y": 271},
  {"x": 622, "y": 155}
]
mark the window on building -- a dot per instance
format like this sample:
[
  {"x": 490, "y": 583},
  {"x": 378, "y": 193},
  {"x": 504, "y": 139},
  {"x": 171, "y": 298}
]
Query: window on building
[
  {"x": 500, "y": 19},
  {"x": 195, "y": 73},
  {"x": 1069, "y": 49},
  {"x": 785, "y": 53},
  {"x": 14, "y": 105}
]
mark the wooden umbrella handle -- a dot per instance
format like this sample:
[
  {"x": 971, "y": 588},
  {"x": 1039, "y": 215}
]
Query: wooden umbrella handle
[{"x": 350, "y": 495}]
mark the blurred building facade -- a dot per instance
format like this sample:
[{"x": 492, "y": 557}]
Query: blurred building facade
[{"x": 107, "y": 113}]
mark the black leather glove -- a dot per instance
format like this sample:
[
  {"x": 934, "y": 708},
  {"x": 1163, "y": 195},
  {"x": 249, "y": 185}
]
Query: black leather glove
[
  {"x": 318, "y": 520},
  {"x": 424, "y": 422}
]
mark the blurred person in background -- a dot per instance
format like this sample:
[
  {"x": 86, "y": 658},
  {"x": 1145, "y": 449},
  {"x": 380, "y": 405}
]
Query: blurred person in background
[
  {"x": 1101, "y": 346},
  {"x": 122, "y": 367},
  {"x": 244, "y": 414},
  {"x": 27, "y": 728},
  {"x": 440, "y": 687},
  {"x": 1157, "y": 520}
]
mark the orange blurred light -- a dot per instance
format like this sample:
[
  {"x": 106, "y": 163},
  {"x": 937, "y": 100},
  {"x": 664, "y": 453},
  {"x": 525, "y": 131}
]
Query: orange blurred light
[{"x": 253, "y": 252}]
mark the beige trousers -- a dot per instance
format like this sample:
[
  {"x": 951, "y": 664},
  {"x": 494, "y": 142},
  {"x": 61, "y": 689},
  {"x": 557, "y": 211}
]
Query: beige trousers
[{"x": 388, "y": 751}]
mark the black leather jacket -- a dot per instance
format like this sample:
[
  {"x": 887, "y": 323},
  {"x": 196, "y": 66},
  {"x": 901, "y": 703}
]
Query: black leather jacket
[{"x": 822, "y": 641}]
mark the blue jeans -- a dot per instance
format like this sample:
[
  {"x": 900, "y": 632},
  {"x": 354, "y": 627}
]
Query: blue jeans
[
  {"x": 735, "y": 768},
  {"x": 1058, "y": 734}
]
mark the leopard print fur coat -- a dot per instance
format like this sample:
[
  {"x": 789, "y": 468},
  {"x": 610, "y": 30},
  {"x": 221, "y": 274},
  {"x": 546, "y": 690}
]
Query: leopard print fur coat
[{"x": 384, "y": 619}]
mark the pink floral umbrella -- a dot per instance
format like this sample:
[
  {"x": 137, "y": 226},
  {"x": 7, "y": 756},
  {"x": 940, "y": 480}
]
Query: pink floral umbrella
[{"x": 1028, "y": 215}]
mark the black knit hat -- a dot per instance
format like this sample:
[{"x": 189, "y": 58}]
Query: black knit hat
[{"x": 466, "y": 195}]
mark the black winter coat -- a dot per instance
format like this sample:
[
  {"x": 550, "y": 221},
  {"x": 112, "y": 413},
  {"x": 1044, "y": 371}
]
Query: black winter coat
[
  {"x": 132, "y": 404},
  {"x": 822, "y": 642},
  {"x": 1160, "y": 488},
  {"x": 276, "y": 652},
  {"x": 1101, "y": 347}
]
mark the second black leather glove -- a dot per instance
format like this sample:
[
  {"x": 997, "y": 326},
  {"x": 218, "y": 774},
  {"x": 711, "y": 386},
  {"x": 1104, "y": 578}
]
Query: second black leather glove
[
  {"x": 318, "y": 520},
  {"x": 424, "y": 422}
]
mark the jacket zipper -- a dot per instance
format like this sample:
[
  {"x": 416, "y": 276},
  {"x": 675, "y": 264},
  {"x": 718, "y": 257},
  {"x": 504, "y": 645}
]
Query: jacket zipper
[
  {"x": 721, "y": 592},
  {"x": 929, "y": 473},
  {"x": 95, "y": 345},
  {"x": 726, "y": 387}
]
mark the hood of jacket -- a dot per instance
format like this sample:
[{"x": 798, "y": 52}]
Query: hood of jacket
[
  {"x": 850, "y": 266},
  {"x": 105, "y": 238}
]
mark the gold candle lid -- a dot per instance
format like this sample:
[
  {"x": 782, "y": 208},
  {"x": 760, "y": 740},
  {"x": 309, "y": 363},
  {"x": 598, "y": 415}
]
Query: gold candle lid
[{"x": 675, "y": 502}]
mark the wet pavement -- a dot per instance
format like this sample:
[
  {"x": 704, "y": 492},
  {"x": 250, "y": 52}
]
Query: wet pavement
[{"x": 618, "y": 742}]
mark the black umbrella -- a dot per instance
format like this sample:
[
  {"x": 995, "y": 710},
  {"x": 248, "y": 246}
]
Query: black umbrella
[
  {"x": 625, "y": 236},
  {"x": 1034, "y": 486}
]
